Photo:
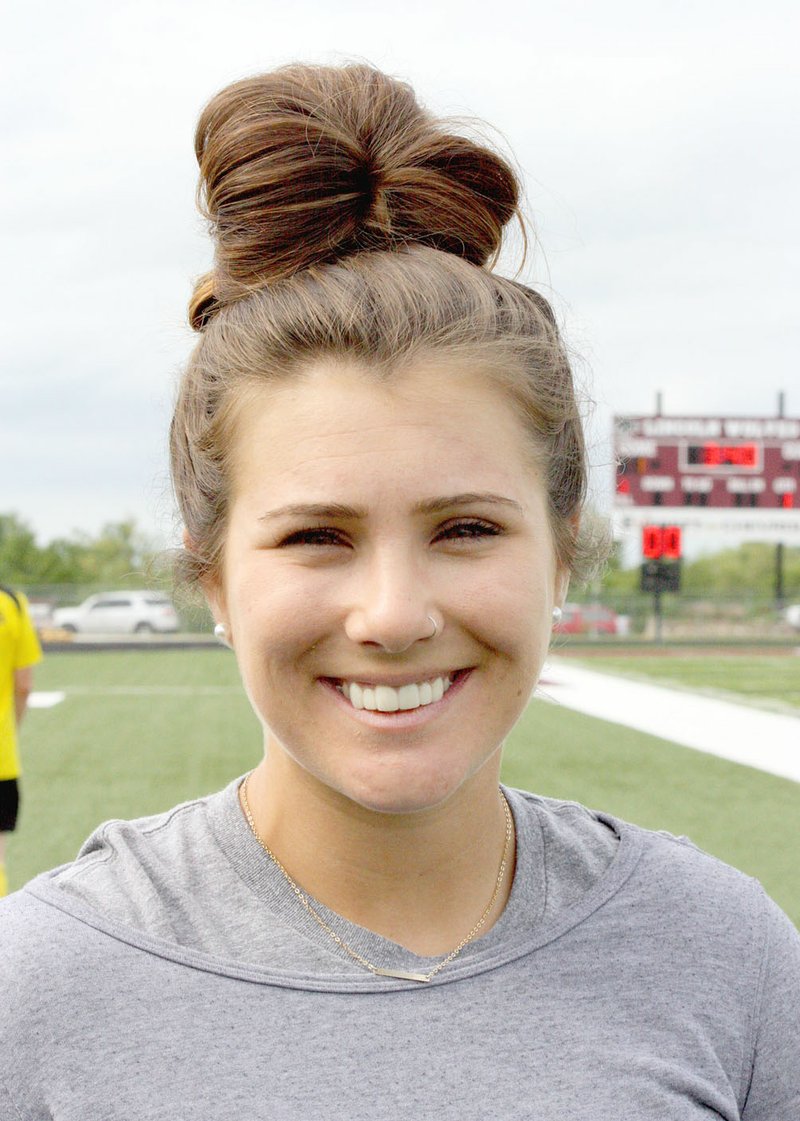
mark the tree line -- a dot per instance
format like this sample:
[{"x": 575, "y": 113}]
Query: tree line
[
  {"x": 119, "y": 554},
  {"x": 748, "y": 570}
]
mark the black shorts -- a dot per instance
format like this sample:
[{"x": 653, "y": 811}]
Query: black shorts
[{"x": 9, "y": 804}]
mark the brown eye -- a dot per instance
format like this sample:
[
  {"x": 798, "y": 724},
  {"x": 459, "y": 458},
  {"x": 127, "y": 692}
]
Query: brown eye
[
  {"x": 468, "y": 529},
  {"x": 321, "y": 536}
]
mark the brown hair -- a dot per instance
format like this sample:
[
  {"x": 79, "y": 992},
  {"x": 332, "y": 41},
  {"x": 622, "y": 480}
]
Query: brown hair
[{"x": 349, "y": 222}]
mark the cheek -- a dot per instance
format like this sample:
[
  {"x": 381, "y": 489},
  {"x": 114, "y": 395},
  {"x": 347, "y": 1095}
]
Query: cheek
[
  {"x": 273, "y": 625},
  {"x": 273, "y": 601},
  {"x": 511, "y": 608}
]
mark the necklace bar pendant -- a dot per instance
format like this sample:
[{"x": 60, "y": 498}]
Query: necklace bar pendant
[{"x": 401, "y": 974}]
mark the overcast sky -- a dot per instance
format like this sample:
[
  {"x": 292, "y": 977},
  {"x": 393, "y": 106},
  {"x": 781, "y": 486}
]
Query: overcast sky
[{"x": 658, "y": 143}]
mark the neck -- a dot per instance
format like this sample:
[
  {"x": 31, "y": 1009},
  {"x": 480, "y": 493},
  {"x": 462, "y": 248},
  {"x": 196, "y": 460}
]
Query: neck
[{"x": 422, "y": 880}]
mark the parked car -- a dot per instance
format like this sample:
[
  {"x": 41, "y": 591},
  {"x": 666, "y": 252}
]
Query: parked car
[
  {"x": 137, "y": 612},
  {"x": 590, "y": 618}
]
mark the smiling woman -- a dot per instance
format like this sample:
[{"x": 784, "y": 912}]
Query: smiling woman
[
  {"x": 362, "y": 512},
  {"x": 378, "y": 457}
]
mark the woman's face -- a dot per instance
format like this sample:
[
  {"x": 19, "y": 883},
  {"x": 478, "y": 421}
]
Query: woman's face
[{"x": 362, "y": 510}]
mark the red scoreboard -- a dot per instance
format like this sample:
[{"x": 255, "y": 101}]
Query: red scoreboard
[{"x": 712, "y": 463}]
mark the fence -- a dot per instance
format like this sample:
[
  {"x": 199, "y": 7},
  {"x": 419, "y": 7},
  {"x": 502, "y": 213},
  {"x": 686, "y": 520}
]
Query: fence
[{"x": 743, "y": 618}]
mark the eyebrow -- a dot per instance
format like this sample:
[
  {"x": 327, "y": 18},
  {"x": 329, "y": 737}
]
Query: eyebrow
[{"x": 428, "y": 506}]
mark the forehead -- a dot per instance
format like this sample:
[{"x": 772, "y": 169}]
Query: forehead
[{"x": 340, "y": 421}]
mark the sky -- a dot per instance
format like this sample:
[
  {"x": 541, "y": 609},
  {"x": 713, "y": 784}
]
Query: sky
[{"x": 657, "y": 143}]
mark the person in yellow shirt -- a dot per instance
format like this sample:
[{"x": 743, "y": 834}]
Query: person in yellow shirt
[{"x": 19, "y": 652}]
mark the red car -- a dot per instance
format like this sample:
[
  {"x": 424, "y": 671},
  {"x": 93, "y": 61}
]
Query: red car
[{"x": 588, "y": 618}]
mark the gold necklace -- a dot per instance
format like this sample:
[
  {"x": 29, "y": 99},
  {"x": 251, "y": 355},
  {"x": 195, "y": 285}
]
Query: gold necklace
[{"x": 376, "y": 969}]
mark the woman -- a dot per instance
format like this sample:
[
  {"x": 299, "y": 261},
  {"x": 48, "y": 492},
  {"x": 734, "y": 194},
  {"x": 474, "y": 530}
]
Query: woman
[{"x": 379, "y": 461}]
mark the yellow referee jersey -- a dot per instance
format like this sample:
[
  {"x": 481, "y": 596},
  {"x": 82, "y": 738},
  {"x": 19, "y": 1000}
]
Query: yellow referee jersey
[{"x": 19, "y": 647}]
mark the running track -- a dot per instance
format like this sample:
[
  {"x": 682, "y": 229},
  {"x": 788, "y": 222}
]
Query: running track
[{"x": 769, "y": 741}]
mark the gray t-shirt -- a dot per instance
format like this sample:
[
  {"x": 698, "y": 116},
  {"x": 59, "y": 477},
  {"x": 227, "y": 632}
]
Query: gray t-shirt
[{"x": 170, "y": 973}]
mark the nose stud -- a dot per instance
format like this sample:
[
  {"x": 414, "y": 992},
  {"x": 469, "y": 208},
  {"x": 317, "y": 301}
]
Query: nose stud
[{"x": 435, "y": 630}]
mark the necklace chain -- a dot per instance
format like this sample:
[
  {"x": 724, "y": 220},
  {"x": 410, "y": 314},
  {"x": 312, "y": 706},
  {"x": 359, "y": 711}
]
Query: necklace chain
[{"x": 377, "y": 970}]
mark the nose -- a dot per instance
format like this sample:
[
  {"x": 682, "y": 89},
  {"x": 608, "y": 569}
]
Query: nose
[{"x": 391, "y": 606}]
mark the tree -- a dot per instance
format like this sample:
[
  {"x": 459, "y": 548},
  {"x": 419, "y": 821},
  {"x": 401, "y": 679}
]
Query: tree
[
  {"x": 748, "y": 569},
  {"x": 19, "y": 553},
  {"x": 119, "y": 554}
]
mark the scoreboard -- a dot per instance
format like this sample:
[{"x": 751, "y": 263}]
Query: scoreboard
[
  {"x": 707, "y": 461},
  {"x": 741, "y": 473}
]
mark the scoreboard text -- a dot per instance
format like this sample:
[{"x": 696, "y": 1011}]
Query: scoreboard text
[{"x": 719, "y": 462}]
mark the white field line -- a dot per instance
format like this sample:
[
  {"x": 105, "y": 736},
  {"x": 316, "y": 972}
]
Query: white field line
[
  {"x": 45, "y": 700},
  {"x": 769, "y": 741}
]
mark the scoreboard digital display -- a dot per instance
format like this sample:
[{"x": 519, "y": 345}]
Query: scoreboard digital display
[
  {"x": 721, "y": 463},
  {"x": 738, "y": 456}
]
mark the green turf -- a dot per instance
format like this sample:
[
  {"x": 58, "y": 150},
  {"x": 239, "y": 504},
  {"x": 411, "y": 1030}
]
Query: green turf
[
  {"x": 139, "y": 732},
  {"x": 768, "y": 682}
]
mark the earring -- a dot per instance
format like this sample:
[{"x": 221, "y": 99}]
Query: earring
[
  {"x": 221, "y": 633},
  {"x": 557, "y": 615}
]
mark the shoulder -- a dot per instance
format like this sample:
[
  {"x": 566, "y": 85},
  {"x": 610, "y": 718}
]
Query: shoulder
[
  {"x": 141, "y": 876},
  {"x": 26, "y": 929},
  {"x": 702, "y": 915},
  {"x": 675, "y": 864},
  {"x": 23, "y": 647},
  {"x": 115, "y": 856},
  {"x": 669, "y": 884},
  {"x": 40, "y": 947},
  {"x": 8, "y": 595},
  {"x": 120, "y": 875},
  {"x": 9, "y": 609},
  {"x": 79, "y": 921}
]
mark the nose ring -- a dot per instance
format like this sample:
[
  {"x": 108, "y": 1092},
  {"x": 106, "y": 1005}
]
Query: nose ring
[{"x": 435, "y": 631}]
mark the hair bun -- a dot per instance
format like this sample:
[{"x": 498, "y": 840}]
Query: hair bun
[{"x": 306, "y": 165}]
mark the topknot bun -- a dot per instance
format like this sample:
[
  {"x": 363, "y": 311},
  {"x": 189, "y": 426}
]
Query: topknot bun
[{"x": 306, "y": 165}]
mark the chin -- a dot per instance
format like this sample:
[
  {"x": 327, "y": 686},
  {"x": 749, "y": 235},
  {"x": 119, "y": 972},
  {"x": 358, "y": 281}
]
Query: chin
[
  {"x": 397, "y": 804},
  {"x": 409, "y": 794}
]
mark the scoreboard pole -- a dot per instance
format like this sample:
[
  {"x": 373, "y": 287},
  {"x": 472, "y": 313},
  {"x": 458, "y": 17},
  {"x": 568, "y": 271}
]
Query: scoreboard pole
[{"x": 780, "y": 599}]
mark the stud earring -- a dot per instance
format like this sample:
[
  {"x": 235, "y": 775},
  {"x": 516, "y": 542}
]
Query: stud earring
[
  {"x": 221, "y": 633},
  {"x": 557, "y": 615}
]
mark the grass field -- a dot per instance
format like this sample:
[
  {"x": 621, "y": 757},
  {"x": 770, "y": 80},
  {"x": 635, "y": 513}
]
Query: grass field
[
  {"x": 767, "y": 682},
  {"x": 141, "y": 731}
]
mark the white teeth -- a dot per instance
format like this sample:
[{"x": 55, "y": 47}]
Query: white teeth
[
  {"x": 408, "y": 697},
  {"x": 384, "y": 698}
]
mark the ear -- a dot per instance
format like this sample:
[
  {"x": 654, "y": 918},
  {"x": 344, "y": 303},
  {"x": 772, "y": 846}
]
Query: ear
[
  {"x": 561, "y": 586},
  {"x": 211, "y": 587}
]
